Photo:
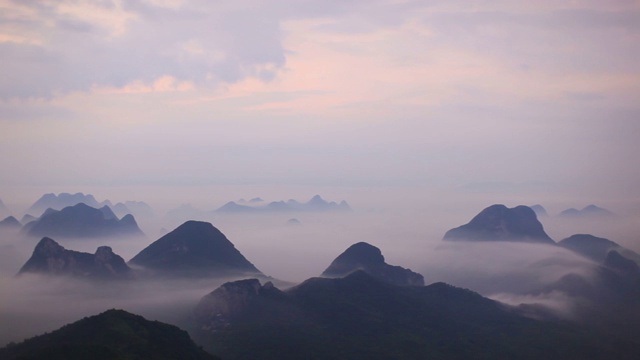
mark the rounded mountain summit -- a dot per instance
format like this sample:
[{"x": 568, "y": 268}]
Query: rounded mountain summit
[
  {"x": 194, "y": 248},
  {"x": 500, "y": 223}
]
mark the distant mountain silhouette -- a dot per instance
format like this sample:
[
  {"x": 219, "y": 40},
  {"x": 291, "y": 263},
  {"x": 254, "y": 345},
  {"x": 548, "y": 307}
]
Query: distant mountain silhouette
[
  {"x": 82, "y": 220},
  {"x": 10, "y": 223},
  {"x": 138, "y": 209},
  {"x": 27, "y": 218},
  {"x": 499, "y": 223},
  {"x": 621, "y": 264},
  {"x": 539, "y": 210},
  {"x": 315, "y": 204},
  {"x": 293, "y": 222},
  {"x": 366, "y": 257},
  {"x": 596, "y": 248},
  {"x": 51, "y": 258},
  {"x": 61, "y": 201},
  {"x": 113, "y": 334},
  {"x": 360, "y": 317},
  {"x": 587, "y": 211},
  {"x": 194, "y": 248},
  {"x": 235, "y": 207},
  {"x": 256, "y": 200}
]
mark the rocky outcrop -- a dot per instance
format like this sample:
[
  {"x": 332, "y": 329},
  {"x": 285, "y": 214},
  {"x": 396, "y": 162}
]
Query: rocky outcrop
[
  {"x": 51, "y": 258},
  {"x": 366, "y": 257},
  {"x": 499, "y": 223}
]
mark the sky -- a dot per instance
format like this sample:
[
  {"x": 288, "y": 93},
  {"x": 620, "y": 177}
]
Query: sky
[{"x": 533, "y": 98}]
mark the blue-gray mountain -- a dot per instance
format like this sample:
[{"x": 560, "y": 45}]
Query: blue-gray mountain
[
  {"x": 10, "y": 222},
  {"x": 589, "y": 211},
  {"x": 315, "y": 204},
  {"x": 366, "y": 257},
  {"x": 194, "y": 248},
  {"x": 51, "y": 258},
  {"x": 596, "y": 248},
  {"x": 539, "y": 210},
  {"x": 82, "y": 221},
  {"x": 499, "y": 223},
  {"x": 61, "y": 201}
]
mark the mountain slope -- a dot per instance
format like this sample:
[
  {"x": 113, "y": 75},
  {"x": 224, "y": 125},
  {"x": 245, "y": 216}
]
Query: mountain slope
[
  {"x": 194, "y": 248},
  {"x": 499, "y": 223},
  {"x": 363, "y": 256},
  {"x": 10, "y": 222},
  {"x": 113, "y": 334},
  {"x": 82, "y": 220},
  {"x": 360, "y": 317},
  {"x": 61, "y": 201},
  {"x": 51, "y": 258},
  {"x": 596, "y": 248}
]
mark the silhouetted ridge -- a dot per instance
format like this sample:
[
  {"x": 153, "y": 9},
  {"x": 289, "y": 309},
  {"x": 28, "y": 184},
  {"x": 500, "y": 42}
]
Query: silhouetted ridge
[
  {"x": 315, "y": 204},
  {"x": 587, "y": 211},
  {"x": 621, "y": 264},
  {"x": 360, "y": 317},
  {"x": 194, "y": 248},
  {"x": 10, "y": 222},
  {"x": 113, "y": 334},
  {"x": 595, "y": 248},
  {"x": 62, "y": 200},
  {"x": 51, "y": 258},
  {"x": 363, "y": 256},
  {"x": 499, "y": 223},
  {"x": 82, "y": 220},
  {"x": 539, "y": 210}
]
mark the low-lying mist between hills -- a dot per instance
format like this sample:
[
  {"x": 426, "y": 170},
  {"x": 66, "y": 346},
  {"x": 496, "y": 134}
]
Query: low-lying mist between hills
[
  {"x": 33, "y": 304},
  {"x": 513, "y": 273}
]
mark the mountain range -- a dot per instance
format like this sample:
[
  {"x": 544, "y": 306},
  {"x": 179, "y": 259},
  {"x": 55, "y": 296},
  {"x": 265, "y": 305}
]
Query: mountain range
[
  {"x": 63, "y": 200},
  {"x": 82, "y": 221},
  {"x": 315, "y": 204},
  {"x": 361, "y": 317},
  {"x": 589, "y": 211}
]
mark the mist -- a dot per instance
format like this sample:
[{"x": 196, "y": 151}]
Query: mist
[{"x": 407, "y": 227}]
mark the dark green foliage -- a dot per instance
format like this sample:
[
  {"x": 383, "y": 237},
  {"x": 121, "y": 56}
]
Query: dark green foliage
[{"x": 114, "y": 334}]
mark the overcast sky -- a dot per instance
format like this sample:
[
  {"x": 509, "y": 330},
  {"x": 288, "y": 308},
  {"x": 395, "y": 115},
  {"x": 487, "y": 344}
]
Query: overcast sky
[{"x": 502, "y": 96}]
